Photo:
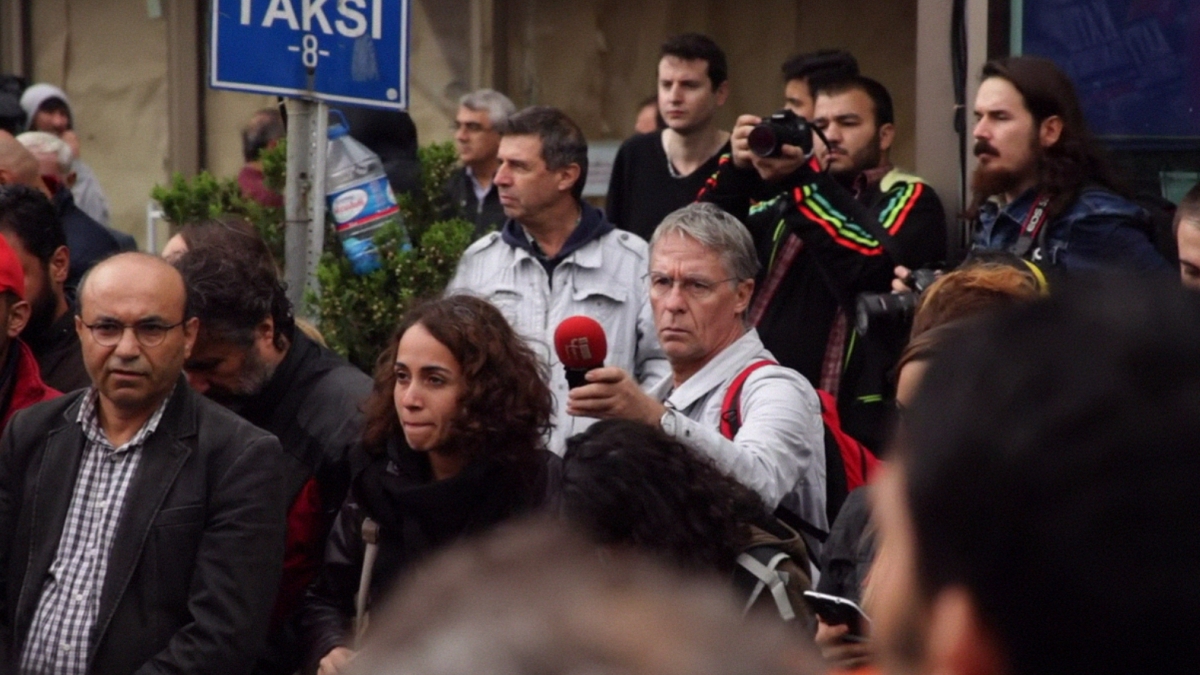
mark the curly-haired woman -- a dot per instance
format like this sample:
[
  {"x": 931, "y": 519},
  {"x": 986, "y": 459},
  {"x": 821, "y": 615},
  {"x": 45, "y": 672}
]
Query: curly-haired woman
[{"x": 453, "y": 445}]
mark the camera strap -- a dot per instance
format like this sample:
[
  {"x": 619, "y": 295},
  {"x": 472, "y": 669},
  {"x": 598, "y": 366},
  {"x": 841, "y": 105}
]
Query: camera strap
[{"x": 1035, "y": 220}]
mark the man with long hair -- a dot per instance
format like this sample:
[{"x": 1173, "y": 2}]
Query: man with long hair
[{"x": 1041, "y": 189}]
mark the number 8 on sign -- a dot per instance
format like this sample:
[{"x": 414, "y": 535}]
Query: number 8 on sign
[{"x": 309, "y": 55}]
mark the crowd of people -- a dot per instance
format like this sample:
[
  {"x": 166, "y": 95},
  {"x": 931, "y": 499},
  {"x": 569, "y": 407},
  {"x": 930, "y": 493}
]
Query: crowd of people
[{"x": 191, "y": 481}]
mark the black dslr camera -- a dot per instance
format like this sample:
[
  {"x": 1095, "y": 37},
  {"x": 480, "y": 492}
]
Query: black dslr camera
[
  {"x": 785, "y": 127},
  {"x": 875, "y": 309}
]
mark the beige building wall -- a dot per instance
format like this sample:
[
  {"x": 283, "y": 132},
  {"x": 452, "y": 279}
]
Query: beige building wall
[
  {"x": 110, "y": 57},
  {"x": 594, "y": 58}
]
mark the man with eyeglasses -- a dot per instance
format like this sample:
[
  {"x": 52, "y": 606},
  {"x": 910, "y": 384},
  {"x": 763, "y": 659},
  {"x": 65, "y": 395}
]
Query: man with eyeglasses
[
  {"x": 470, "y": 193},
  {"x": 141, "y": 526},
  {"x": 702, "y": 269}
]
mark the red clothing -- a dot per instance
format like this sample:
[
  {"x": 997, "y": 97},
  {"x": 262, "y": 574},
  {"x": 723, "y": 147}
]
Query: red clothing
[
  {"x": 250, "y": 180},
  {"x": 27, "y": 386}
]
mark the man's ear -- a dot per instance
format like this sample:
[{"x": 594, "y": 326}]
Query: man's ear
[
  {"x": 887, "y": 135},
  {"x": 18, "y": 317},
  {"x": 742, "y": 294},
  {"x": 567, "y": 176},
  {"x": 60, "y": 264},
  {"x": 264, "y": 332},
  {"x": 958, "y": 640},
  {"x": 69, "y": 179},
  {"x": 722, "y": 93},
  {"x": 1050, "y": 131},
  {"x": 191, "y": 328}
]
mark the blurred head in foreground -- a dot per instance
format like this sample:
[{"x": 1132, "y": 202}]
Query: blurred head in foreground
[
  {"x": 1034, "y": 505},
  {"x": 536, "y": 599}
]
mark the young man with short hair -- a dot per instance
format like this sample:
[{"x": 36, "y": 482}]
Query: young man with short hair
[{"x": 656, "y": 173}]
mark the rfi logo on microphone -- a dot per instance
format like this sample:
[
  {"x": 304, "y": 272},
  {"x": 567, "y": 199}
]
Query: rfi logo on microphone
[{"x": 579, "y": 350}]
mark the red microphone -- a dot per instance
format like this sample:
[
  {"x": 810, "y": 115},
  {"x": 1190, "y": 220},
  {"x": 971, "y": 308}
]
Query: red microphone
[{"x": 581, "y": 346}]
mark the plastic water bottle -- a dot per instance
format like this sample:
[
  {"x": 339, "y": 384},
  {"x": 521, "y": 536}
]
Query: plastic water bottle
[{"x": 358, "y": 196}]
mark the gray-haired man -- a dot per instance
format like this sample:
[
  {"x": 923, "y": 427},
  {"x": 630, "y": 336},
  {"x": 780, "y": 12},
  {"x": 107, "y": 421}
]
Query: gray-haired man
[
  {"x": 470, "y": 193},
  {"x": 702, "y": 268}
]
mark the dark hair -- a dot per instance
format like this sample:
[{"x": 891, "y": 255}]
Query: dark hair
[
  {"x": 232, "y": 291},
  {"x": 629, "y": 483},
  {"x": 1075, "y": 161},
  {"x": 880, "y": 98},
  {"x": 820, "y": 68},
  {"x": 507, "y": 406},
  {"x": 563, "y": 143},
  {"x": 694, "y": 46},
  {"x": 264, "y": 127},
  {"x": 1051, "y": 469},
  {"x": 1189, "y": 206},
  {"x": 27, "y": 213},
  {"x": 228, "y": 231},
  {"x": 55, "y": 104}
]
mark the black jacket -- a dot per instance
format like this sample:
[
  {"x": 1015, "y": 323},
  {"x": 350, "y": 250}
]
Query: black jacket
[
  {"x": 416, "y": 515},
  {"x": 462, "y": 203},
  {"x": 88, "y": 241},
  {"x": 313, "y": 404},
  {"x": 195, "y": 563},
  {"x": 59, "y": 355}
]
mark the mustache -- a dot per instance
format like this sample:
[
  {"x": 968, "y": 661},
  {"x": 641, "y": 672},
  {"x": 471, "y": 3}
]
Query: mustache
[{"x": 982, "y": 147}]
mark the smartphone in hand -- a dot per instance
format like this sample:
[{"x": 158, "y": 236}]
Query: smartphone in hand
[{"x": 837, "y": 611}]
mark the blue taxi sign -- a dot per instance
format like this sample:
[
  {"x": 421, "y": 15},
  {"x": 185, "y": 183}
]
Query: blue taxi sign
[{"x": 340, "y": 51}]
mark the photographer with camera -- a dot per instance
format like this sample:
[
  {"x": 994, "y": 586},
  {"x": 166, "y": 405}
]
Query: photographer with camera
[{"x": 827, "y": 232}]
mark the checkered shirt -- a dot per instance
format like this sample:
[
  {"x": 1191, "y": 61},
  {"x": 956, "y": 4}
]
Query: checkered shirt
[{"x": 60, "y": 636}]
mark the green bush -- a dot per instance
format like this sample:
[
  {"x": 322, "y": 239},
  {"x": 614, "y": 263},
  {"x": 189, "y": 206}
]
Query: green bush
[
  {"x": 207, "y": 197},
  {"x": 357, "y": 314}
]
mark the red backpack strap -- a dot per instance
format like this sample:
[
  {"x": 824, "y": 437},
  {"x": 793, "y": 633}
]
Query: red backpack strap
[
  {"x": 859, "y": 463},
  {"x": 731, "y": 408}
]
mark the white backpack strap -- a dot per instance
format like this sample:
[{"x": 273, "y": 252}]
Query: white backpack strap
[
  {"x": 370, "y": 535},
  {"x": 768, "y": 577}
]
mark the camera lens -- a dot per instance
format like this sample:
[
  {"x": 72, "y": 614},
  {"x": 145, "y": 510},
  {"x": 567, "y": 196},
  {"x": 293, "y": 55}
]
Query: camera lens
[{"x": 763, "y": 141}]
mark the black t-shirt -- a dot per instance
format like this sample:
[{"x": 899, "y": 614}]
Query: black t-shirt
[{"x": 642, "y": 190}]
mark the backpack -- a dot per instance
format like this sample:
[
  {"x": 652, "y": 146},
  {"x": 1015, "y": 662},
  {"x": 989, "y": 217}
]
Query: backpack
[
  {"x": 848, "y": 463},
  {"x": 772, "y": 572}
]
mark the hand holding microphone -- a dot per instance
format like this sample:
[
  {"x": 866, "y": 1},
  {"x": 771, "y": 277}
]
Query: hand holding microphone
[
  {"x": 581, "y": 346},
  {"x": 596, "y": 390}
]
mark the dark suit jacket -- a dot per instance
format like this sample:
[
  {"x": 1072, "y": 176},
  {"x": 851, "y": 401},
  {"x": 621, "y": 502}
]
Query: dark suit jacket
[{"x": 195, "y": 564}]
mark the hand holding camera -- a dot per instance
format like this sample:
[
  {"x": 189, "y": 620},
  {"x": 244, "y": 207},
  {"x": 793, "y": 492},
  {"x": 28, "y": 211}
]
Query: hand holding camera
[{"x": 776, "y": 146}]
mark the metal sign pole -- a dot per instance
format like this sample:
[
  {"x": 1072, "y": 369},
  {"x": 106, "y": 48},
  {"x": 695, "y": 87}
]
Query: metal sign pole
[
  {"x": 300, "y": 193},
  {"x": 316, "y": 226},
  {"x": 297, "y": 197}
]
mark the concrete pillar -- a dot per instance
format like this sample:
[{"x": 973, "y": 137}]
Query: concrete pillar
[{"x": 937, "y": 148}]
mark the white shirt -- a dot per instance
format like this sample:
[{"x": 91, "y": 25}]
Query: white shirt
[{"x": 779, "y": 450}]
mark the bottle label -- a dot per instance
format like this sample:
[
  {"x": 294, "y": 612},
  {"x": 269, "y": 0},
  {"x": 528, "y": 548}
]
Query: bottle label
[{"x": 363, "y": 204}]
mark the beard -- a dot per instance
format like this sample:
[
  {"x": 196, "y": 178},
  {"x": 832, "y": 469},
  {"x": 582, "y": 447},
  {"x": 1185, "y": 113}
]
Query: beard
[
  {"x": 255, "y": 375},
  {"x": 866, "y": 158},
  {"x": 986, "y": 182},
  {"x": 41, "y": 315}
]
